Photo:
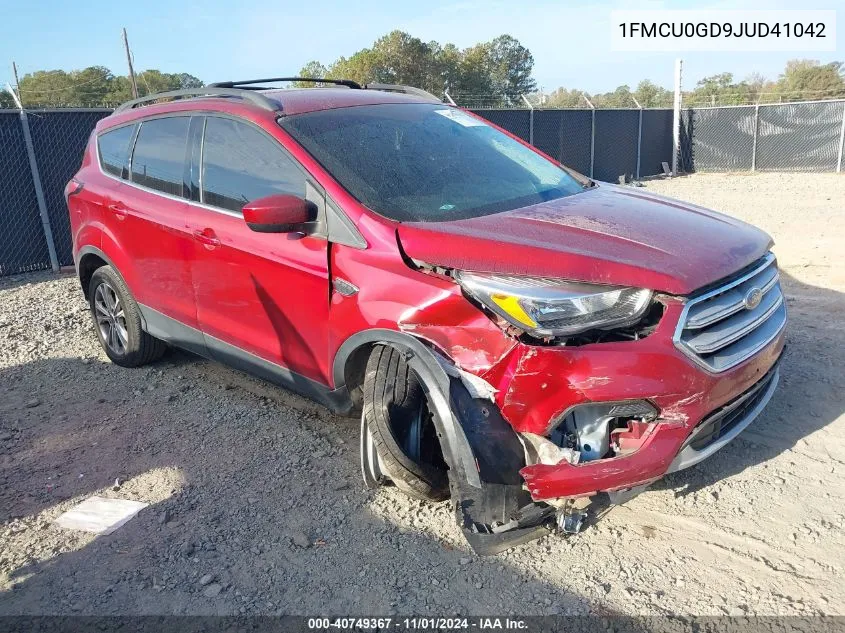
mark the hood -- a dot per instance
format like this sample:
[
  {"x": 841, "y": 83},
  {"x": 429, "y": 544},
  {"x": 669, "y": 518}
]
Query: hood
[{"x": 608, "y": 234}]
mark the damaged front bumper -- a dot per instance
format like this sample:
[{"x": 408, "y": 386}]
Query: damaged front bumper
[
  {"x": 666, "y": 447},
  {"x": 507, "y": 490},
  {"x": 696, "y": 412},
  {"x": 503, "y": 515}
]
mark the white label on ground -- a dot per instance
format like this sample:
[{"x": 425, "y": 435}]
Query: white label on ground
[{"x": 100, "y": 515}]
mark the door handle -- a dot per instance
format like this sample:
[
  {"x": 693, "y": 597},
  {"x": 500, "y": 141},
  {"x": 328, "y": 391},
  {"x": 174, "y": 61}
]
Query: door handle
[
  {"x": 207, "y": 238},
  {"x": 119, "y": 209}
]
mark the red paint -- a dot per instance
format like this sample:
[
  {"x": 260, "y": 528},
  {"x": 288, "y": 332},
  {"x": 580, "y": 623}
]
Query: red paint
[
  {"x": 271, "y": 294},
  {"x": 276, "y": 214},
  {"x": 605, "y": 235},
  {"x": 266, "y": 293},
  {"x": 606, "y": 475}
]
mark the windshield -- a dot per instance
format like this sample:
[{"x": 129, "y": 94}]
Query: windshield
[{"x": 427, "y": 162}]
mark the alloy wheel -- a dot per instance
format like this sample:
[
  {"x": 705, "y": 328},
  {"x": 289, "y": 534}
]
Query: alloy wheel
[{"x": 111, "y": 319}]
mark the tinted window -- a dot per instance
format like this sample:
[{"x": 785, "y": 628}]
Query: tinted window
[
  {"x": 241, "y": 164},
  {"x": 421, "y": 162},
  {"x": 159, "y": 158},
  {"x": 114, "y": 149}
]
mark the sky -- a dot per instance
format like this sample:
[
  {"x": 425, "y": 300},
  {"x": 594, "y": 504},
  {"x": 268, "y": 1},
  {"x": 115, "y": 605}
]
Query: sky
[{"x": 222, "y": 40}]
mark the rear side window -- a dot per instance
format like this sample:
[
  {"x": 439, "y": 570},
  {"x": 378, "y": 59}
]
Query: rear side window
[
  {"x": 114, "y": 150},
  {"x": 158, "y": 161},
  {"x": 241, "y": 164}
]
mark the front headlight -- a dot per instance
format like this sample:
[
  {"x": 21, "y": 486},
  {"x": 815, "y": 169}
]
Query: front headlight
[{"x": 552, "y": 307}]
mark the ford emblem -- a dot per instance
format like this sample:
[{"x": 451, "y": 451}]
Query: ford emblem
[{"x": 753, "y": 298}]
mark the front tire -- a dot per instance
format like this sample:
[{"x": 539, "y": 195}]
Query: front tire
[
  {"x": 397, "y": 424},
  {"x": 117, "y": 321}
]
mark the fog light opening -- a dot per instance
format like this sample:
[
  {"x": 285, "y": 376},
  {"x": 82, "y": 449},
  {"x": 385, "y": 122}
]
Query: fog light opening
[{"x": 594, "y": 430}]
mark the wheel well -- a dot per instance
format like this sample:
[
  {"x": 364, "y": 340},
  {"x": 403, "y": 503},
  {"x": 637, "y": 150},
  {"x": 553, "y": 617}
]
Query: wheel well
[
  {"x": 354, "y": 373},
  {"x": 355, "y": 367},
  {"x": 87, "y": 265}
]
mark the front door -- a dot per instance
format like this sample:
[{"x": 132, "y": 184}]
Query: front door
[{"x": 262, "y": 298}]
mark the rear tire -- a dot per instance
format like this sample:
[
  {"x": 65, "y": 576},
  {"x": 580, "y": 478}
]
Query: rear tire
[
  {"x": 396, "y": 415},
  {"x": 117, "y": 321}
]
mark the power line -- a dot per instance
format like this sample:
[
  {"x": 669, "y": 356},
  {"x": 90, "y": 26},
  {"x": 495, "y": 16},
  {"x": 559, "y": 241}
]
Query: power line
[{"x": 105, "y": 77}]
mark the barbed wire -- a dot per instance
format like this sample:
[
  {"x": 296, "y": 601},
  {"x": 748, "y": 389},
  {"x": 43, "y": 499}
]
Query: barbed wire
[
  {"x": 689, "y": 99},
  {"x": 538, "y": 100},
  {"x": 744, "y": 98}
]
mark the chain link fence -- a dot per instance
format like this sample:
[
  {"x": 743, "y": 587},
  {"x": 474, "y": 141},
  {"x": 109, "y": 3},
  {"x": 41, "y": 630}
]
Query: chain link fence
[
  {"x": 30, "y": 227},
  {"x": 517, "y": 122},
  {"x": 604, "y": 144},
  {"x": 23, "y": 246},
  {"x": 800, "y": 137},
  {"x": 59, "y": 139},
  {"x": 40, "y": 150},
  {"x": 565, "y": 136},
  {"x": 792, "y": 137}
]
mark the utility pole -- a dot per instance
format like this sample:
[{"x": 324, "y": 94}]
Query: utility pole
[
  {"x": 131, "y": 70},
  {"x": 676, "y": 123}
]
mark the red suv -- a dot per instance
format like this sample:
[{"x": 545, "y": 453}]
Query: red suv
[{"x": 513, "y": 334}]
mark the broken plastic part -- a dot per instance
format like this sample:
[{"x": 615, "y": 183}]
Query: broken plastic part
[
  {"x": 476, "y": 386},
  {"x": 619, "y": 497},
  {"x": 540, "y": 450},
  {"x": 590, "y": 427},
  {"x": 531, "y": 515}
]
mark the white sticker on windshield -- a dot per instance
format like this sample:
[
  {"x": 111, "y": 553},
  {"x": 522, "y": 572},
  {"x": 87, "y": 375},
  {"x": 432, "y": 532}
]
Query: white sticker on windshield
[{"x": 460, "y": 117}]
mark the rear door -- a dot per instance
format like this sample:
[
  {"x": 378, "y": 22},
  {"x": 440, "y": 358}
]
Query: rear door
[
  {"x": 113, "y": 149},
  {"x": 149, "y": 222},
  {"x": 261, "y": 297}
]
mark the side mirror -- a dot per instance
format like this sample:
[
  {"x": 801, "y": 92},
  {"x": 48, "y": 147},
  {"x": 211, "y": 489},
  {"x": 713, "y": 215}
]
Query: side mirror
[{"x": 279, "y": 213}]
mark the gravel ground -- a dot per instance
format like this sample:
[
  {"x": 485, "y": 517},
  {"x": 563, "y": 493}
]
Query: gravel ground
[{"x": 257, "y": 505}]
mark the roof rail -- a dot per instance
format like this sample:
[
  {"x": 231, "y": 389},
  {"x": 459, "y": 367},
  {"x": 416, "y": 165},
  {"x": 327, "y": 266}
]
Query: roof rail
[
  {"x": 408, "y": 90},
  {"x": 251, "y": 82},
  {"x": 209, "y": 91}
]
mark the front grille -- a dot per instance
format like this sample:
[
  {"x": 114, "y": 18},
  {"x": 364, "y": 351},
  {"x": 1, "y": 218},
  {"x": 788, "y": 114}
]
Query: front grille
[
  {"x": 719, "y": 423},
  {"x": 725, "y": 326}
]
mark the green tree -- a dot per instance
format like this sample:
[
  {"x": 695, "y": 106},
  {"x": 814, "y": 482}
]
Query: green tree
[
  {"x": 758, "y": 87},
  {"x": 46, "y": 88},
  {"x": 720, "y": 89},
  {"x": 474, "y": 76},
  {"x": 619, "y": 98},
  {"x": 396, "y": 58},
  {"x": 361, "y": 67},
  {"x": 312, "y": 69},
  {"x": 499, "y": 69},
  {"x": 89, "y": 86},
  {"x": 95, "y": 86},
  {"x": 563, "y": 98},
  {"x": 510, "y": 65},
  {"x": 402, "y": 58},
  {"x": 149, "y": 82},
  {"x": 119, "y": 92},
  {"x": 6, "y": 100},
  {"x": 152, "y": 81},
  {"x": 804, "y": 79},
  {"x": 188, "y": 81},
  {"x": 447, "y": 60},
  {"x": 650, "y": 95}
]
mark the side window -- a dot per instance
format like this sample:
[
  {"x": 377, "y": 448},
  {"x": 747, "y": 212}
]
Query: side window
[
  {"x": 158, "y": 161},
  {"x": 240, "y": 164},
  {"x": 113, "y": 147}
]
